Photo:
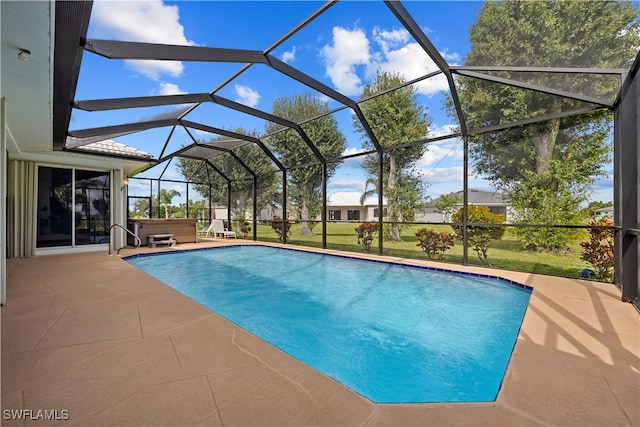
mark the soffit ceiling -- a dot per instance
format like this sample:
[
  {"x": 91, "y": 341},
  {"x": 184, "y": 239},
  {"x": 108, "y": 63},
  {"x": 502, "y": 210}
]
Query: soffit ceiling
[{"x": 27, "y": 86}]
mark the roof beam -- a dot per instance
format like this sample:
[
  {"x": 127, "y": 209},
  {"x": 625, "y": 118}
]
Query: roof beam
[
  {"x": 533, "y": 120},
  {"x": 414, "y": 29},
  {"x": 218, "y": 131},
  {"x": 236, "y": 135},
  {"x": 536, "y": 88},
  {"x": 181, "y": 151},
  {"x": 251, "y": 111},
  {"x": 121, "y": 129},
  {"x": 412, "y": 26},
  {"x": 564, "y": 70},
  {"x": 166, "y": 141},
  {"x": 139, "y": 102},
  {"x": 114, "y": 49},
  {"x": 306, "y": 80}
]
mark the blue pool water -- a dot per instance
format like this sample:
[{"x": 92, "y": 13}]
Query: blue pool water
[{"x": 391, "y": 333}]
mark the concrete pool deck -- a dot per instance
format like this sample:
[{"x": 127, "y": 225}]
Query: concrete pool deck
[{"x": 93, "y": 338}]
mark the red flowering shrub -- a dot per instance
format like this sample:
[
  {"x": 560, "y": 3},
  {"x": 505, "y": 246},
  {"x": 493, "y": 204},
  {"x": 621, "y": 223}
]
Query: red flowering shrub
[
  {"x": 598, "y": 250},
  {"x": 276, "y": 224},
  {"x": 434, "y": 244},
  {"x": 366, "y": 234}
]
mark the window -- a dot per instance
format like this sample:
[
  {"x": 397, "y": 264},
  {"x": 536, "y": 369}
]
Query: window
[
  {"x": 335, "y": 215},
  {"x": 376, "y": 212},
  {"x": 353, "y": 215},
  {"x": 73, "y": 207},
  {"x": 498, "y": 210}
]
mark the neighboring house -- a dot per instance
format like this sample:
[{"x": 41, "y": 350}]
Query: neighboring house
[
  {"x": 603, "y": 213},
  {"x": 495, "y": 201},
  {"x": 220, "y": 211},
  {"x": 343, "y": 206},
  {"x": 432, "y": 214},
  {"x": 269, "y": 212}
]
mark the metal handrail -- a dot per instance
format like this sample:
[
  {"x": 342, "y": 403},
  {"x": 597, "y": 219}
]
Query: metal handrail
[
  {"x": 633, "y": 231},
  {"x": 138, "y": 241}
]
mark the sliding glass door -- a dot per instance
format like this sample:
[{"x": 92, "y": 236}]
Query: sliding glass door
[
  {"x": 92, "y": 207},
  {"x": 73, "y": 207}
]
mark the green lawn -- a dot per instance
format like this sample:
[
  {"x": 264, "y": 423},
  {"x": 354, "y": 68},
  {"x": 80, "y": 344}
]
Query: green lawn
[{"x": 505, "y": 254}]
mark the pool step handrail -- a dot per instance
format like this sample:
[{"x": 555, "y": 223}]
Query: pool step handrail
[{"x": 138, "y": 241}]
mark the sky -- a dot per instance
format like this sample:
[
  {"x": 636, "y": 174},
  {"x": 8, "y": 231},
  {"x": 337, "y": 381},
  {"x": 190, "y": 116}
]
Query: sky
[{"x": 343, "y": 49}]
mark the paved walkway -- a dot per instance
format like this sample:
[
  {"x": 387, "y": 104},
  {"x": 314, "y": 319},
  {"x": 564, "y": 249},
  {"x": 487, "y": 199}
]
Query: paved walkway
[{"x": 103, "y": 344}]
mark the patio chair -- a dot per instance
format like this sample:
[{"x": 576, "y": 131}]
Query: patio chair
[
  {"x": 206, "y": 232},
  {"x": 220, "y": 230}
]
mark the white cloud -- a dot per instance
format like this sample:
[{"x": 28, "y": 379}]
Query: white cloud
[
  {"x": 443, "y": 130},
  {"x": 336, "y": 185},
  {"x": 395, "y": 53},
  {"x": 389, "y": 39},
  {"x": 247, "y": 96},
  {"x": 352, "y": 162},
  {"x": 149, "y": 21},
  {"x": 289, "y": 56},
  {"x": 155, "y": 69},
  {"x": 399, "y": 55},
  {"x": 435, "y": 155},
  {"x": 440, "y": 175},
  {"x": 350, "y": 48},
  {"x": 352, "y": 150},
  {"x": 438, "y": 151},
  {"x": 170, "y": 89}
]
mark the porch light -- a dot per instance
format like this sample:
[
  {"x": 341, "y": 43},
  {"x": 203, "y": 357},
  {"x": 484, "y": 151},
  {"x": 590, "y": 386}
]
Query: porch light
[{"x": 24, "y": 54}]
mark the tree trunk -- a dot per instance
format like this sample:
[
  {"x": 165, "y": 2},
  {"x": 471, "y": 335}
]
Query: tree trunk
[
  {"x": 544, "y": 144},
  {"x": 392, "y": 199},
  {"x": 304, "y": 213},
  {"x": 240, "y": 211}
]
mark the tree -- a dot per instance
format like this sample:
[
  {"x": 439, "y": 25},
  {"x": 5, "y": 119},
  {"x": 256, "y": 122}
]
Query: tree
[
  {"x": 241, "y": 181},
  {"x": 395, "y": 118},
  {"x": 141, "y": 208},
  {"x": 479, "y": 237},
  {"x": 165, "y": 197},
  {"x": 446, "y": 204},
  {"x": 547, "y": 168},
  {"x": 305, "y": 182}
]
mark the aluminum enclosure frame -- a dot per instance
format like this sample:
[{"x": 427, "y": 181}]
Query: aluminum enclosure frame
[
  {"x": 73, "y": 16},
  {"x": 627, "y": 187}
]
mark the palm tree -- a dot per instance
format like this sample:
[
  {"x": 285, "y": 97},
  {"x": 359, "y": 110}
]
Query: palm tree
[
  {"x": 165, "y": 198},
  {"x": 369, "y": 192}
]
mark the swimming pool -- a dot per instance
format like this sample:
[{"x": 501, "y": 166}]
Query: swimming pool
[{"x": 395, "y": 334}]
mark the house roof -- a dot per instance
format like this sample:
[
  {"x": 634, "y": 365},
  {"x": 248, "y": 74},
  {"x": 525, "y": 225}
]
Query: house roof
[
  {"x": 351, "y": 198},
  {"x": 604, "y": 209},
  {"x": 481, "y": 197},
  {"x": 114, "y": 148}
]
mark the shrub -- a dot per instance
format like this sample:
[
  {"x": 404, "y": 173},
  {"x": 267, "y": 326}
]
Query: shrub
[
  {"x": 598, "y": 250},
  {"x": 434, "y": 244},
  {"x": 366, "y": 234},
  {"x": 245, "y": 229},
  {"x": 276, "y": 224},
  {"x": 480, "y": 236}
]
